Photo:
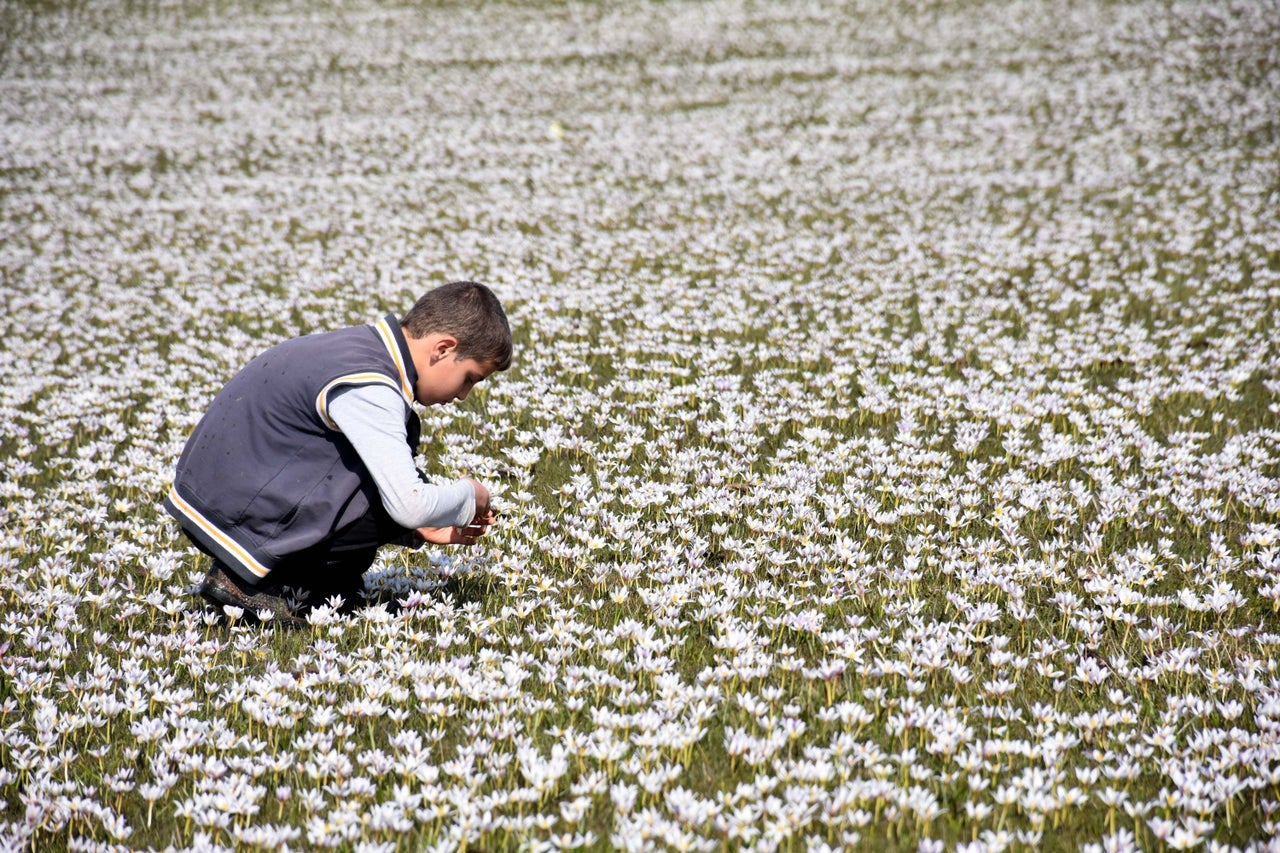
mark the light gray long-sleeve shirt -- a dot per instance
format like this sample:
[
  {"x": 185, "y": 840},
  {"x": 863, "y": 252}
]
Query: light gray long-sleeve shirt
[{"x": 372, "y": 419}]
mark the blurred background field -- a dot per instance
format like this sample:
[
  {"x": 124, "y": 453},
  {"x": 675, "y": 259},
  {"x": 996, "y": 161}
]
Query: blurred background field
[{"x": 890, "y": 460}]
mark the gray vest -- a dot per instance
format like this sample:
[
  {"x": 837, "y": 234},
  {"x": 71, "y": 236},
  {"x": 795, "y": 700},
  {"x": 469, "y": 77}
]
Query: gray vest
[{"x": 266, "y": 473}]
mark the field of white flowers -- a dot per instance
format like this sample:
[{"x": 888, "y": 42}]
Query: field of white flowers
[{"x": 890, "y": 460}]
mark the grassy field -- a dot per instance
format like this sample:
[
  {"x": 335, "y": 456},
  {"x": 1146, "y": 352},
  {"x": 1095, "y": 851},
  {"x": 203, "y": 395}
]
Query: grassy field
[{"x": 891, "y": 458}]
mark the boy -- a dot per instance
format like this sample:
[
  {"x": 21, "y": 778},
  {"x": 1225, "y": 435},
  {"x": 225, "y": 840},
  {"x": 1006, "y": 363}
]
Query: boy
[{"x": 303, "y": 464}]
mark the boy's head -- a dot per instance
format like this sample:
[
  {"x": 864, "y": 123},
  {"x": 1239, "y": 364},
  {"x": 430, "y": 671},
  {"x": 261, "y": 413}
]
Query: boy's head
[
  {"x": 470, "y": 313},
  {"x": 458, "y": 335}
]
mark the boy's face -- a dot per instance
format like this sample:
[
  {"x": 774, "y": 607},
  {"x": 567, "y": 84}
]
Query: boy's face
[{"x": 445, "y": 377}]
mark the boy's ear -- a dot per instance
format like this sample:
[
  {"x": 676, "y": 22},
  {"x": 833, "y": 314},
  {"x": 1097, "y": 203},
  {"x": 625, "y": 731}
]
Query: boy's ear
[{"x": 443, "y": 346}]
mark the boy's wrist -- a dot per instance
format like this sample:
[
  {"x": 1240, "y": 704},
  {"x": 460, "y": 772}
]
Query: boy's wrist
[{"x": 481, "y": 498}]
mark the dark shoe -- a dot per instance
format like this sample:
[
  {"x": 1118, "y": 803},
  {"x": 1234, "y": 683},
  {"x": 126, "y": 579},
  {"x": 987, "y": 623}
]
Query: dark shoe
[{"x": 222, "y": 588}]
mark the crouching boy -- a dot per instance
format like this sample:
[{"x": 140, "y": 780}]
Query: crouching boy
[{"x": 303, "y": 464}]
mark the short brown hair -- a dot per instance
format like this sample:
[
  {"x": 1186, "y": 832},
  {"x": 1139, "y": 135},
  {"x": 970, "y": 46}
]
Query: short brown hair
[{"x": 469, "y": 312}]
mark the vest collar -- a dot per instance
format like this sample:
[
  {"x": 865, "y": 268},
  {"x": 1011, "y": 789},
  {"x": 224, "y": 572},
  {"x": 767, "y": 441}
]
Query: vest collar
[{"x": 398, "y": 348}]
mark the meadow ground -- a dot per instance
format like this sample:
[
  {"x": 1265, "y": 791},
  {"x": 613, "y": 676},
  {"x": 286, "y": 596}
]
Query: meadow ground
[{"x": 890, "y": 460}]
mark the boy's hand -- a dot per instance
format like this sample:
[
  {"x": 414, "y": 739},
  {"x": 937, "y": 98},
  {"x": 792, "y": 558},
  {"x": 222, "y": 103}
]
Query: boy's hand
[{"x": 469, "y": 535}]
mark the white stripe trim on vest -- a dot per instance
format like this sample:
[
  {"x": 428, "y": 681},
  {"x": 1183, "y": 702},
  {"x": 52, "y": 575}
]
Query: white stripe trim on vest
[
  {"x": 234, "y": 548},
  {"x": 322, "y": 399},
  {"x": 389, "y": 339}
]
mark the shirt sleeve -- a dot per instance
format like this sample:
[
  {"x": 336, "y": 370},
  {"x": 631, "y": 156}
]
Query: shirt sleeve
[{"x": 372, "y": 419}]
